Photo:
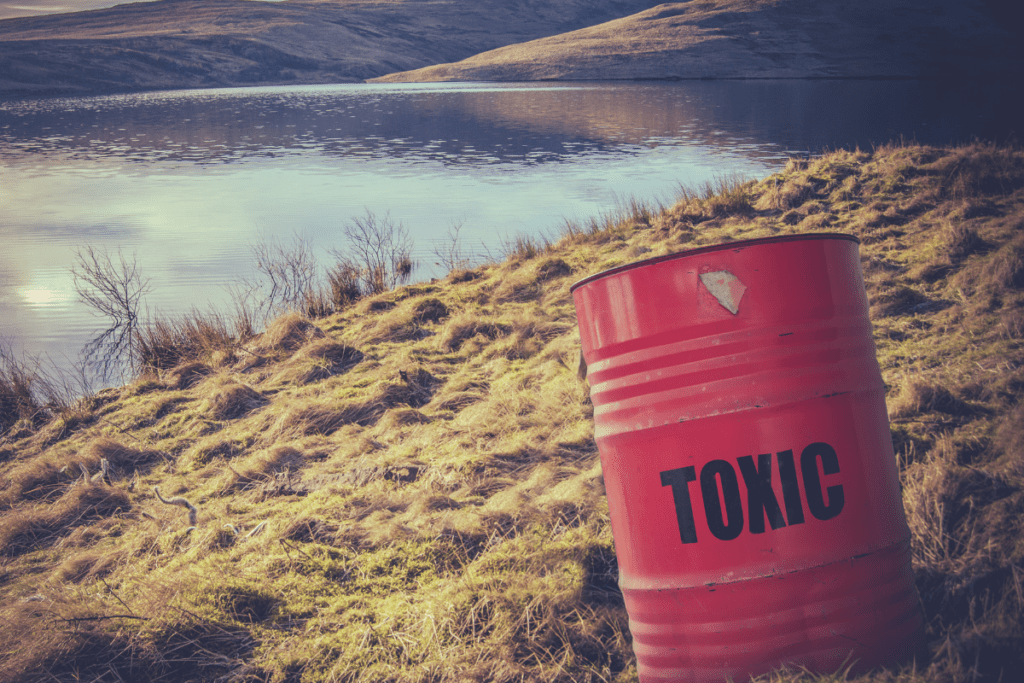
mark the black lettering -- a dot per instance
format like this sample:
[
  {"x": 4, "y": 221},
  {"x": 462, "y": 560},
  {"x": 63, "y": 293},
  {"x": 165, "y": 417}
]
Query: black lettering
[
  {"x": 713, "y": 504},
  {"x": 790, "y": 487},
  {"x": 761, "y": 498},
  {"x": 812, "y": 482},
  {"x": 679, "y": 480}
]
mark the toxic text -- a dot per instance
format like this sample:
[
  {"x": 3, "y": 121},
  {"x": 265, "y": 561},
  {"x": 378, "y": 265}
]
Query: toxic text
[{"x": 720, "y": 492}]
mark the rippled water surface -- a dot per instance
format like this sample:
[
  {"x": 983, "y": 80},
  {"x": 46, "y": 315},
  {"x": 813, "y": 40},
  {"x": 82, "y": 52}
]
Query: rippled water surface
[{"x": 189, "y": 180}]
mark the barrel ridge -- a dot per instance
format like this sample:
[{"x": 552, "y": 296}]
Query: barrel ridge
[
  {"x": 735, "y": 245},
  {"x": 721, "y": 637}
]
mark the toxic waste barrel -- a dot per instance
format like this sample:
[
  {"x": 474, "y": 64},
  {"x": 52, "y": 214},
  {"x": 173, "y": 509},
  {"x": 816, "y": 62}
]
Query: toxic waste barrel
[{"x": 754, "y": 498}]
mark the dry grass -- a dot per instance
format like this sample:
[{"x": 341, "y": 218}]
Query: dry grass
[
  {"x": 168, "y": 342},
  {"x": 287, "y": 333},
  {"x": 18, "y": 398},
  {"x": 414, "y": 483},
  {"x": 233, "y": 400}
]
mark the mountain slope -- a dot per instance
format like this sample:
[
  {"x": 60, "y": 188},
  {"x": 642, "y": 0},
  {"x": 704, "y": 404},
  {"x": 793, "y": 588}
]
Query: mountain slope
[
  {"x": 200, "y": 43},
  {"x": 757, "y": 39}
]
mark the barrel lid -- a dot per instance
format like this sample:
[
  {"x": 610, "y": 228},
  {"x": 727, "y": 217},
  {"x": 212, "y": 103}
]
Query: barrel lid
[{"x": 737, "y": 244}]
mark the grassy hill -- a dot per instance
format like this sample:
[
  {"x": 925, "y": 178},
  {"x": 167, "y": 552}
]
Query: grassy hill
[
  {"x": 758, "y": 39},
  {"x": 408, "y": 488},
  {"x": 215, "y": 43},
  {"x": 171, "y": 44}
]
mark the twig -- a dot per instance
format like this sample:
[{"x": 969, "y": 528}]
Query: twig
[
  {"x": 116, "y": 595},
  {"x": 291, "y": 546},
  {"x": 106, "y": 616}
]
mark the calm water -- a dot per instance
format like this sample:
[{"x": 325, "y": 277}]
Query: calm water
[{"x": 189, "y": 180}]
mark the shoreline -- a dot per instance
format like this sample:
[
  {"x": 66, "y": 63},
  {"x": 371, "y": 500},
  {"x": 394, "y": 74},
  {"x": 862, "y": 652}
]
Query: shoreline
[{"x": 11, "y": 95}]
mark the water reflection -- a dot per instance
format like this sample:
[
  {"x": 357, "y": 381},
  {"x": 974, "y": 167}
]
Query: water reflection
[
  {"x": 481, "y": 124},
  {"x": 188, "y": 180}
]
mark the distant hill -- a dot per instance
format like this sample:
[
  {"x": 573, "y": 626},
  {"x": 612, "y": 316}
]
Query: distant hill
[
  {"x": 213, "y": 43},
  {"x": 216, "y": 43},
  {"x": 760, "y": 39}
]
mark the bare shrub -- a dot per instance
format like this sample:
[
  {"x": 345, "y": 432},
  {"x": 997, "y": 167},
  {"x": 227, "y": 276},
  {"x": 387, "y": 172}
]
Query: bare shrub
[
  {"x": 379, "y": 249},
  {"x": 290, "y": 271},
  {"x": 114, "y": 289},
  {"x": 18, "y": 390},
  {"x": 453, "y": 255}
]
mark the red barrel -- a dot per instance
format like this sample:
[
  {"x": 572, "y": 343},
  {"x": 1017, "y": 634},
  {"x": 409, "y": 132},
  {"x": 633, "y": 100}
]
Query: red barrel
[{"x": 753, "y": 492}]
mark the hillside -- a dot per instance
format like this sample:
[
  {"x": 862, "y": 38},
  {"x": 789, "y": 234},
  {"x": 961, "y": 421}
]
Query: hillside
[
  {"x": 213, "y": 43},
  {"x": 408, "y": 489},
  {"x": 758, "y": 39},
  {"x": 170, "y": 44}
]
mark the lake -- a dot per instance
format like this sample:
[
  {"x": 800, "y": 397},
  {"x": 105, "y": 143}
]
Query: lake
[{"x": 189, "y": 181}]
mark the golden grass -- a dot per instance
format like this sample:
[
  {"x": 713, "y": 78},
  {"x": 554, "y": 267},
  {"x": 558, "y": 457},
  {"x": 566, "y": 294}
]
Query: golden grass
[{"x": 419, "y": 478}]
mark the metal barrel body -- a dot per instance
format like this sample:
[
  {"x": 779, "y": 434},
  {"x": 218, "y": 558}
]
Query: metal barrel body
[{"x": 754, "y": 497}]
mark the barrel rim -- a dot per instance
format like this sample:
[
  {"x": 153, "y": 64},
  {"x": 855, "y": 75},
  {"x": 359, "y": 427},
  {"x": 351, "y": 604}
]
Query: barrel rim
[{"x": 714, "y": 247}]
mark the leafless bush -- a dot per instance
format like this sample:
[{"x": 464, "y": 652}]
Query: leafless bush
[
  {"x": 19, "y": 398},
  {"x": 452, "y": 255},
  {"x": 379, "y": 250},
  {"x": 114, "y": 289},
  {"x": 288, "y": 275},
  {"x": 33, "y": 389}
]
